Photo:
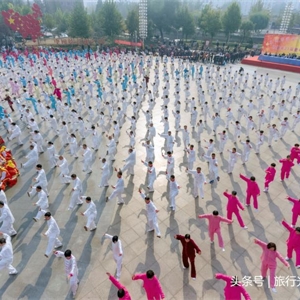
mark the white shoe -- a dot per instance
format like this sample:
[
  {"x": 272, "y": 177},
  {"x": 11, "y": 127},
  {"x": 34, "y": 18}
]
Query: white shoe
[
  {"x": 287, "y": 259},
  {"x": 193, "y": 278},
  {"x": 245, "y": 227},
  {"x": 184, "y": 268},
  {"x": 274, "y": 290},
  {"x": 265, "y": 190},
  {"x": 56, "y": 247},
  {"x": 13, "y": 272},
  {"x": 223, "y": 249},
  {"x": 298, "y": 267}
]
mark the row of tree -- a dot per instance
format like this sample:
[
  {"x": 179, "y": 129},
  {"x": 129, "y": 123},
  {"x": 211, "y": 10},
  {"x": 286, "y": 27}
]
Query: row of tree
[{"x": 111, "y": 18}]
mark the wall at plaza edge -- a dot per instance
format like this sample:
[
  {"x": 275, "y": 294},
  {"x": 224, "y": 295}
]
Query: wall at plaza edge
[{"x": 281, "y": 43}]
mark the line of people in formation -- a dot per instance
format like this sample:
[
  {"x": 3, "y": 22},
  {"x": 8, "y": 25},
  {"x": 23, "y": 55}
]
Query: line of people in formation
[{"x": 59, "y": 88}]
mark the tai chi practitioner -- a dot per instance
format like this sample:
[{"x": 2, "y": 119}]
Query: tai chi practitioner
[
  {"x": 112, "y": 148},
  {"x": 130, "y": 162},
  {"x": 170, "y": 163},
  {"x": 7, "y": 220},
  {"x": 117, "y": 252},
  {"x": 191, "y": 157},
  {"x": 273, "y": 134},
  {"x": 295, "y": 209},
  {"x": 169, "y": 141},
  {"x": 105, "y": 173},
  {"x": 118, "y": 189},
  {"x": 212, "y": 167},
  {"x": 42, "y": 203},
  {"x": 87, "y": 159},
  {"x": 32, "y": 157},
  {"x": 52, "y": 233},
  {"x": 223, "y": 140},
  {"x": 189, "y": 250},
  {"x": 151, "y": 285},
  {"x": 268, "y": 261},
  {"x": 286, "y": 167},
  {"x": 15, "y": 133},
  {"x": 293, "y": 243},
  {"x": 233, "y": 289},
  {"x": 173, "y": 192},
  {"x": 71, "y": 269},
  {"x": 246, "y": 151},
  {"x": 90, "y": 213},
  {"x": 233, "y": 156},
  {"x": 64, "y": 169},
  {"x": 38, "y": 140},
  {"x": 185, "y": 136},
  {"x": 51, "y": 154},
  {"x": 76, "y": 191},
  {"x": 40, "y": 180},
  {"x": 260, "y": 140},
  {"x": 252, "y": 190},
  {"x": 149, "y": 151},
  {"x": 270, "y": 175},
  {"x": 6, "y": 254},
  {"x": 295, "y": 153},
  {"x": 151, "y": 214},
  {"x": 233, "y": 207},
  {"x": 214, "y": 221},
  {"x": 151, "y": 173},
  {"x": 122, "y": 291},
  {"x": 199, "y": 181}
]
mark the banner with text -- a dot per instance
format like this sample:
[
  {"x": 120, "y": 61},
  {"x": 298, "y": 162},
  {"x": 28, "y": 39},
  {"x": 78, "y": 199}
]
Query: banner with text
[{"x": 281, "y": 43}]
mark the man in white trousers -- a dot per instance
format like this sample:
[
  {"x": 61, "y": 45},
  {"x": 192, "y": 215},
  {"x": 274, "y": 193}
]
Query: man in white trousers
[
  {"x": 76, "y": 191},
  {"x": 15, "y": 133},
  {"x": 71, "y": 269},
  {"x": 130, "y": 162},
  {"x": 112, "y": 148},
  {"x": 87, "y": 159},
  {"x": 170, "y": 163},
  {"x": 212, "y": 167},
  {"x": 151, "y": 214},
  {"x": 173, "y": 192},
  {"x": 149, "y": 151},
  {"x": 191, "y": 156},
  {"x": 246, "y": 151},
  {"x": 233, "y": 156},
  {"x": 117, "y": 252},
  {"x": 199, "y": 181},
  {"x": 32, "y": 157},
  {"x": 6, "y": 254},
  {"x": 40, "y": 180},
  {"x": 105, "y": 173},
  {"x": 90, "y": 213},
  {"x": 118, "y": 189},
  {"x": 52, "y": 233},
  {"x": 42, "y": 203},
  {"x": 7, "y": 220},
  {"x": 151, "y": 173},
  {"x": 64, "y": 169}
]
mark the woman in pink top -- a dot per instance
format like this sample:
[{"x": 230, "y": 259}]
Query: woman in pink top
[
  {"x": 295, "y": 153},
  {"x": 295, "y": 210},
  {"x": 122, "y": 291},
  {"x": 151, "y": 285},
  {"x": 293, "y": 243},
  {"x": 268, "y": 261},
  {"x": 233, "y": 206},
  {"x": 214, "y": 221},
  {"x": 286, "y": 167},
  {"x": 270, "y": 175},
  {"x": 233, "y": 289},
  {"x": 252, "y": 190}
]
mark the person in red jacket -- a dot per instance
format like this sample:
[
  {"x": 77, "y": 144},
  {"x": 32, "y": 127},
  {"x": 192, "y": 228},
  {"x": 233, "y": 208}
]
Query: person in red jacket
[
  {"x": 252, "y": 190},
  {"x": 270, "y": 175},
  {"x": 286, "y": 167},
  {"x": 233, "y": 289},
  {"x": 295, "y": 153},
  {"x": 122, "y": 291},
  {"x": 295, "y": 209},
  {"x": 189, "y": 248}
]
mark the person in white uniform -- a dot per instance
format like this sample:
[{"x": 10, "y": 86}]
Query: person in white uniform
[
  {"x": 173, "y": 191},
  {"x": 15, "y": 133},
  {"x": 32, "y": 156},
  {"x": 7, "y": 220},
  {"x": 6, "y": 254},
  {"x": 105, "y": 173},
  {"x": 117, "y": 252},
  {"x": 42, "y": 203},
  {"x": 199, "y": 181},
  {"x": 130, "y": 162},
  {"x": 64, "y": 169},
  {"x": 151, "y": 214},
  {"x": 71, "y": 269},
  {"x": 118, "y": 189},
  {"x": 76, "y": 191},
  {"x": 87, "y": 159},
  {"x": 90, "y": 213},
  {"x": 151, "y": 172},
  {"x": 52, "y": 233},
  {"x": 40, "y": 180}
]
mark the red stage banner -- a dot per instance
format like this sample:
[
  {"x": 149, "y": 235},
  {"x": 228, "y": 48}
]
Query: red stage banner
[
  {"x": 281, "y": 43},
  {"x": 28, "y": 25},
  {"x": 127, "y": 43}
]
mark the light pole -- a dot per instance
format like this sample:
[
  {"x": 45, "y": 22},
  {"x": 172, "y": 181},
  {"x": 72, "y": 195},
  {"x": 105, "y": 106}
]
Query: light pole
[
  {"x": 286, "y": 18},
  {"x": 143, "y": 19}
]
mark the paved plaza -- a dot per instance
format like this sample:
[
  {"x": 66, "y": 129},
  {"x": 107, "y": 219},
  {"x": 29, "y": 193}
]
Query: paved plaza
[{"x": 42, "y": 278}]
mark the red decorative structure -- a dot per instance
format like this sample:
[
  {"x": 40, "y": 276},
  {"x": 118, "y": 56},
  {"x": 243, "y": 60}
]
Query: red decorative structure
[{"x": 28, "y": 25}]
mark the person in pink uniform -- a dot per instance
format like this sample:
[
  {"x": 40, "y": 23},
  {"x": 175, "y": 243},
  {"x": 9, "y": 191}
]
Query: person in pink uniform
[
  {"x": 214, "y": 221},
  {"x": 122, "y": 291},
  {"x": 270, "y": 175},
  {"x": 295, "y": 153},
  {"x": 233, "y": 289},
  {"x": 295, "y": 209},
  {"x": 151, "y": 285},
  {"x": 286, "y": 167},
  {"x": 252, "y": 190},
  {"x": 233, "y": 206},
  {"x": 268, "y": 261},
  {"x": 293, "y": 243}
]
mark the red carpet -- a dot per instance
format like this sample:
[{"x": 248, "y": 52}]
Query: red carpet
[{"x": 253, "y": 61}]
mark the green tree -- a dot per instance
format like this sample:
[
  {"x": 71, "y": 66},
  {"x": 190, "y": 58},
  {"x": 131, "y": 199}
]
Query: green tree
[
  {"x": 61, "y": 21},
  {"x": 79, "y": 22},
  {"x": 210, "y": 21},
  {"x": 132, "y": 21},
  {"x": 295, "y": 20},
  {"x": 232, "y": 19},
  {"x": 257, "y": 7},
  {"x": 260, "y": 20},
  {"x": 48, "y": 21},
  {"x": 185, "y": 21},
  {"x": 99, "y": 5},
  {"x": 246, "y": 28},
  {"x": 110, "y": 19}
]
